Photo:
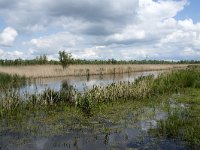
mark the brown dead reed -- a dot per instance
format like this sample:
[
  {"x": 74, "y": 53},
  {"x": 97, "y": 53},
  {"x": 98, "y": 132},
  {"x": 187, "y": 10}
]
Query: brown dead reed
[{"x": 37, "y": 71}]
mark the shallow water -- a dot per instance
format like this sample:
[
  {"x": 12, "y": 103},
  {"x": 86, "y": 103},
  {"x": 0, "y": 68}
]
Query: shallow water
[
  {"x": 117, "y": 126},
  {"x": 128, "y": 129},
  {"x": 82, "y": 83}
]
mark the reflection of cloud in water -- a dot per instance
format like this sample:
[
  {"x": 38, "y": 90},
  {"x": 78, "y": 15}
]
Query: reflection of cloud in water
[
  {"x": 82, "y": 82},
  {"x": 151, "y": 122},
  {"x": 148, "y": 124},
  {"x": 127, "y": 133}
]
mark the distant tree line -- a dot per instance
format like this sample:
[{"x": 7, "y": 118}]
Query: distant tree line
[
  {"x": 39, "y": 60},
  {"x": 113, "y": 61},
  {"x": 65, "y": 59}
]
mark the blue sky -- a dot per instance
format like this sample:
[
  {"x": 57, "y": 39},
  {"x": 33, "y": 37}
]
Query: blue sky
[
  {"x": 100, "y": 29},
  {"x": 191, "y": 10}
]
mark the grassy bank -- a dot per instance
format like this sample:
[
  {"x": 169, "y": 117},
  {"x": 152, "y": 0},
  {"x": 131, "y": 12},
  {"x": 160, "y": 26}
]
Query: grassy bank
[
  {"x": 143, "y": 87},
  {"x": 36, "y": 71},
  {"x": 180, "y": 123}
]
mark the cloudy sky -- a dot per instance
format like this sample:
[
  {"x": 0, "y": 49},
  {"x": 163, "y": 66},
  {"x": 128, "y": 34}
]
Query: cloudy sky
[{"x": 100, "y": 29}]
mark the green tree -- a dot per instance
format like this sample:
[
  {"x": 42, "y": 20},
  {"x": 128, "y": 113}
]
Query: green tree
[
  {"x": 42, "y": 59},
  {"x": 65, "y": 59}
]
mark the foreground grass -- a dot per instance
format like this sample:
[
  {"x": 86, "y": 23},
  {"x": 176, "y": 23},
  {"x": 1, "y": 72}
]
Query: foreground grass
[
  {"x": 64, "y": 120},
  {"x": 183, "y": 121}
]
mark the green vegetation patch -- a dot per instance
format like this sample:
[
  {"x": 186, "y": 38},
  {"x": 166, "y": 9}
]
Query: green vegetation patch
[
  {"x": 7, "y": 81},
  {"x": 183, "y": 121},
  {"x": 100, "y": 109},
  {"x": 106, "y": 119}
]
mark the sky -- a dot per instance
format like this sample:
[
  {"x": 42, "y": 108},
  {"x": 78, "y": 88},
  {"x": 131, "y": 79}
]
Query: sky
[{"x": 100, "y": 29}]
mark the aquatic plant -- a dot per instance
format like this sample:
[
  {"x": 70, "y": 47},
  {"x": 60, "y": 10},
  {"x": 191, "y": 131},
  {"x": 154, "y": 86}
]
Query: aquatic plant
[
  {"x": 14, "y": 81},
  {"x": 141, "y": 88},
  {"x": 180, "y": 124},
  {"x": 37, "y": 71}
]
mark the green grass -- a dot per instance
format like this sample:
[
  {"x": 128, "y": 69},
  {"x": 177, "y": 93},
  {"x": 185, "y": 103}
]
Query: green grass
[
  {"x": 77, "y": 110},
  {"x": 142, "y": 88},
  {"x": 54, "y": 120},
  {"x": 184, "y": 121},
  {"x": 11, "y": 81}
]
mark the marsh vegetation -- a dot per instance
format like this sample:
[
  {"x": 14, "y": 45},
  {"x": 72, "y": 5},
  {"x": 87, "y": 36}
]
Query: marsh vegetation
[
  {"x": 150, "y": 112},
  {"x": 38, "y": 71},
  {"x": 11, "y": 81}
]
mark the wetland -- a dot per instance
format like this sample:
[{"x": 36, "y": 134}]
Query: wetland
[{"x": 147, "y": 110}]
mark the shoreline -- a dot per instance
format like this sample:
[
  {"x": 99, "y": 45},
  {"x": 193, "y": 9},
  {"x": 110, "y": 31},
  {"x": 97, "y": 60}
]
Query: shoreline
[{"x": 49, "y": 71}]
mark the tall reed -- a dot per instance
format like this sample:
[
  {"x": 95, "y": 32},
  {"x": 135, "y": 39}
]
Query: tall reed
[
  {"x": 14, "y": 81},
  {"x": 37, "y": 71},
  {"x": 140, "y": 89}
]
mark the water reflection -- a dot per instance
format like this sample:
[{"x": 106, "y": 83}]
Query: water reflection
[
  {"x": 81, "y": 83},
  {"x": 129, "y": 133}
]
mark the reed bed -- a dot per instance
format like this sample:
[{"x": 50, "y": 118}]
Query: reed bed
[
  {"x": 14, "y": 81},
  {"x": 142, "y": 88},
  {"x": 37, "y": 71}
]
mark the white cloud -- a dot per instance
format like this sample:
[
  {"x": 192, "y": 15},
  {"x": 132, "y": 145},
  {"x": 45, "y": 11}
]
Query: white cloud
[
  {"x": 154, "y": 21},
  {"x": 7, "y": 37},
  {"x": 37, "y": 15},
  {"x": 130, "y": 33},
  {"x": 95, "y": 52},
  {"x": 15, "y": 54},
  {"x": 188, "y": 24},
  {"x": 189, "y": 53},
  {"x": 177, "y": 36},
  {"x": 53, "y": 43},
  {"x": 102, "y": 29},
  {"x": 159, "y": 10},
  {"x": 11, "y": 55},
  {"x": 1, "y": 52},
  {"x": 184, "y": 34}
]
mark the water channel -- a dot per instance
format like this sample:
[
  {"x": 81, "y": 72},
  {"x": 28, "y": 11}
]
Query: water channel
[{"x": 117, "y": 126}]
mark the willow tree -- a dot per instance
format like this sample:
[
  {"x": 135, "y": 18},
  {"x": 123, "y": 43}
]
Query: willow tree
[{"x": 65, "y": 59}]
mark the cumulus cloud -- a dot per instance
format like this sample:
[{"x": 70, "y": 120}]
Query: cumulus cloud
[
  {"x": 101, "y": 29},
  {"x": 185, "y": 34},
  {"x": 129, "y": 35},
  {"x": 95, "y": 52},
  {"x": 53, "y": 43},
  {"x": 10, "y": 54},
  {"x": 98, "y": 14},
  {"x": 1, "y": 52},
  {"x": 7, "y": 37},
  {"x": 159, "y": 10}
]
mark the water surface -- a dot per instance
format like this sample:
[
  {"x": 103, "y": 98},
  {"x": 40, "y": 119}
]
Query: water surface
[
  {"x": 118, "y": 125},
  {"x": 82, "y": 83},
  {"x": 127, "y": 129}
]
